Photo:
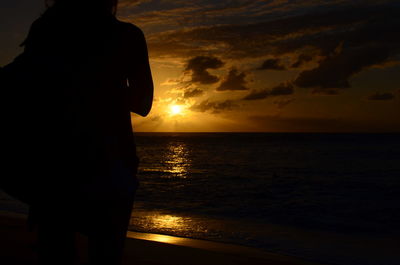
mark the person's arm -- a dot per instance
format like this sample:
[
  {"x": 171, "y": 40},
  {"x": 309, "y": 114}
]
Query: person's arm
[{"x": 140, "y": 80}]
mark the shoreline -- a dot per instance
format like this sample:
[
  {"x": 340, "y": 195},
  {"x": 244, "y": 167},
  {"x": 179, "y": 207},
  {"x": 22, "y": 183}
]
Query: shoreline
[
  {"x": 287, "y": 245},
  {"x": 17, "y": 247}
]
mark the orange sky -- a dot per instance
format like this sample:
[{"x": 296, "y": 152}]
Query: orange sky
[{"x": 259, "y": 65}]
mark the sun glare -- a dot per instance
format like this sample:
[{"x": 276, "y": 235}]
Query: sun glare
[{"x": 175, "y": 109}]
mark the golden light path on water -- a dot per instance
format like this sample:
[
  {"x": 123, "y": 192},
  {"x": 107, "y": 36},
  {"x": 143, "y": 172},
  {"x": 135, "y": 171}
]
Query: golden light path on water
[
  {"x": 170, "y": 222},
  {"x": 159, "y": 222},
  {"x": 177, "y": 160},
  {"x": 176, "y": 164}
]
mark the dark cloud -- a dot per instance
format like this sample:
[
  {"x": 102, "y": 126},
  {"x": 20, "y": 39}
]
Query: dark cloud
[
  {"x": 193, "y": 93},
  {"x": 257, "y": 94},
  {"x": 180, "y": 101},
  {"x": 283, "y": 102},
  {"x": 167, "y": 14},
  {"x": 371, "y": 41},
  {"x": 343, "y": 41},
  {"x": 322, "y": 29},
  {"x": 326, "y": 91},
  {"x": 272, "y": 64},
  {"x": 131, "y": 3},
  {"x": 335, "y": 71},
  {"x": 280, "y": 90},
  {"x": 301, "y": 60},
  {"x": 381, "y": 96},
  {"x": 234, "y": 81},
  {"x": 214, "y": 106},
  {"x": 199, "y": 65}
]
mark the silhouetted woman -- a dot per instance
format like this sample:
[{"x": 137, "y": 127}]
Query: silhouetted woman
[{"x": 87, "y": 72}]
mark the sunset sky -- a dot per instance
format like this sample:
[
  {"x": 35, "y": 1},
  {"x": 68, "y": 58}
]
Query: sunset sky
[{"x": 270, "y": 66}]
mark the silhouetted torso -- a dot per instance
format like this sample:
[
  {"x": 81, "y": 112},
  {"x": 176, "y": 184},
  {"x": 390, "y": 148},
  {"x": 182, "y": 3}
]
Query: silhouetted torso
[
  {"x": 79, "y": 95},
  {"x": 68, "y": 134}
]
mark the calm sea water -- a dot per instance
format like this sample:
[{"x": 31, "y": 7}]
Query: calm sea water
[
  {"x": 267, "y": 190},
  {"x": 328, "y": 197}
]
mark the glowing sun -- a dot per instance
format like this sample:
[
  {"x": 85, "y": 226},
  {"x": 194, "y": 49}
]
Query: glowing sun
[{"x": 176, "y": 110}]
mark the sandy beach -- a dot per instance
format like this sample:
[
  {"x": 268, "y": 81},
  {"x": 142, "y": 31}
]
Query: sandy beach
[{"x": 18, "y": 247}]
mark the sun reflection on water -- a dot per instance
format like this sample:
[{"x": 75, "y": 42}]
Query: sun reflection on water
[
  {"x": 169, "y": 222},
  {"x": 157, "y": 222},
  {"x": 177, "y": 161}
]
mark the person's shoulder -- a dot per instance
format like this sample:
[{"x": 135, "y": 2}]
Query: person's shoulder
[
  {"x": 130, "y": 29},
  {"x": 35, "y": 30}
]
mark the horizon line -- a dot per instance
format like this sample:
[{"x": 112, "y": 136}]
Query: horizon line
[{"x": 316, "y": 132}]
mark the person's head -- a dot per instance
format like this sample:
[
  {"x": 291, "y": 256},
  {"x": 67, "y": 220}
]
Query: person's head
[{"x": 98, "y": 6}]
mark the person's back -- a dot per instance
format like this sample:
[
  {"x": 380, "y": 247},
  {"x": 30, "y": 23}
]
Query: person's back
[
  {"x": 89, "y": 71},
  {"x": 82, "y": 109}
]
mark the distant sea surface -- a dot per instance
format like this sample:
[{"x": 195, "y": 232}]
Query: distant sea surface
[
  {"x": 267, "y": 189},
  {"x": 332, "y": 198}
]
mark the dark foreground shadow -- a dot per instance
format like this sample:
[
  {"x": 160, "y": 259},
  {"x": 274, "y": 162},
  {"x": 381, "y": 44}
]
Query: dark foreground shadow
[{"x": 69, "y": 142}]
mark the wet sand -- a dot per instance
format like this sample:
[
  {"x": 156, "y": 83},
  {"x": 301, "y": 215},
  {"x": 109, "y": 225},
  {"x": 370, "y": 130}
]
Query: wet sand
[{"x": 17, "y": 246}]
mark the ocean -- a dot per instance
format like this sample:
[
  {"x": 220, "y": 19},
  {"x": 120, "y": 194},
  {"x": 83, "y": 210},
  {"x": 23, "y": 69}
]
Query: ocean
[{"x": 332, "y": 198}]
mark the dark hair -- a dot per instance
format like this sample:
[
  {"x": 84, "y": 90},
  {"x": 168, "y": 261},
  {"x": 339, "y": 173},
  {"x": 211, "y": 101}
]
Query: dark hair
[{"x": 104, "y": 6}]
